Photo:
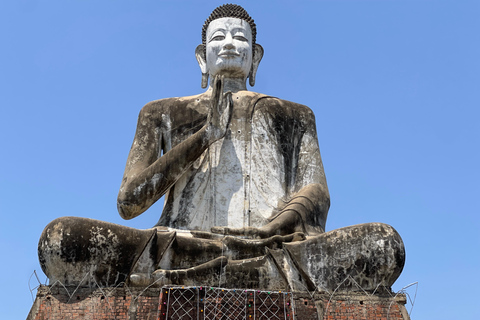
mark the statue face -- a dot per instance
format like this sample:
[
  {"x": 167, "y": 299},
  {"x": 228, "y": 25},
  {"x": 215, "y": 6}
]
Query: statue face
[{"x": 229, "y": 48}]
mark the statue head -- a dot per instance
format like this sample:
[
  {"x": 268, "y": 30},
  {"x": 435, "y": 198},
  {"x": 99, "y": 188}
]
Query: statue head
[{"x": 228, "y": 45}]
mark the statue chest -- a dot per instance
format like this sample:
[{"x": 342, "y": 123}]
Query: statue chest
[{"x": 237, "y": 182}]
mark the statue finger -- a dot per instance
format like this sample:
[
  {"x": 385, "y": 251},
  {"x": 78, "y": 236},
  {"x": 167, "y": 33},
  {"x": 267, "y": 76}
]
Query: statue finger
[
  {"x": 228, "y": 231},
  {"x": 220, "y": 95},
  {"x": 278, "y": 239},
  {"x": 217, "y": 91},
  {"x": 275, "y": 229},
  {"x": 296, "y": 236},
  {"x": 258, "y": 233},
  {"x": 248, "y": 232},
  {"x": 221, "y": 80},
  {"x": 228, "y": 108},
  {"x": 229, "y": 102},
  {"x": 222, "y": 98},
  {"x": 273, "y": 235},
  {"x": 218, "y": 230}
]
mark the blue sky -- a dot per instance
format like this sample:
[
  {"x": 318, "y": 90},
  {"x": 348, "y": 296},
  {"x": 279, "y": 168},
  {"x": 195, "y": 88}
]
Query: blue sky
[{"x": 395, "y": 86}]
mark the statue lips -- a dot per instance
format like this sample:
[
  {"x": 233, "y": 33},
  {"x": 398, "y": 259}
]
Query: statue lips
[{"x": 228, "y": 54}]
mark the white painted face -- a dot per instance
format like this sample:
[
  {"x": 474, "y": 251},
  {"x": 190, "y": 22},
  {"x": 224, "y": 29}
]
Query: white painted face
[{"x": 229, "y": 48}]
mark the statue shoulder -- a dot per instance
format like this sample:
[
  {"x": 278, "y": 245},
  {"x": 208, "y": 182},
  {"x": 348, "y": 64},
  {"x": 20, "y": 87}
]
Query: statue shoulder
[
  {"x": 168, "y": 105},
  {"x": 286, "y": 107}
]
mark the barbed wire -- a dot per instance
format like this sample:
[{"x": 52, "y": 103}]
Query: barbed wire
[
  {"x": 136, "y": 294},
  {"x": 36, "y": 287},
  {"x": 393, "y": 296},
  {"x": 407, "y": 295}
]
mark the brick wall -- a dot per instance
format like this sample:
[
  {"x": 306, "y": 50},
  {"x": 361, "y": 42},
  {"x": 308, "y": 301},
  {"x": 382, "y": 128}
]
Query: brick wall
[{"x": 209, "y": 303}]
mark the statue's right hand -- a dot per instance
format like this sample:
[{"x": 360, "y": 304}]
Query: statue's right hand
[{"x": 220, "y": 111}]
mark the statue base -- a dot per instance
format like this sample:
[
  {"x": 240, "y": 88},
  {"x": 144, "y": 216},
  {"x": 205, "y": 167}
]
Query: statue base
[{"x": 199, "y": 303}]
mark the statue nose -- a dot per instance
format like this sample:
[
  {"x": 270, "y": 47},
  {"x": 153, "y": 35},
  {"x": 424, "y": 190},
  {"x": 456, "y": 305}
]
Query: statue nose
[
  {"x": 228, "y": 42},
  {"x": 229, "y": 46}
]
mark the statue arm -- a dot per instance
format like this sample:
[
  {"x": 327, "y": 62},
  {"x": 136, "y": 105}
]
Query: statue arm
[
  {"x": 309, "y": 194},
  {"x": 148, "y": 177}
]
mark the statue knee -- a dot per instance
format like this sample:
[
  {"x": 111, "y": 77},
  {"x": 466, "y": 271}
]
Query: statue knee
[
  {"x": 84, "y": 251},
  {"x": 363, "y": 256}
]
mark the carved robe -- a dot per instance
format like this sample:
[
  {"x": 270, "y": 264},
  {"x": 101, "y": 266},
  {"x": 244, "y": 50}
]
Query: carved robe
[
  {"x": 268, "y": 161},
  {"x": 269, "y": 153}
]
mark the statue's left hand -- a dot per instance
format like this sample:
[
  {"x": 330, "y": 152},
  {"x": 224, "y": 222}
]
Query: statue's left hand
[{"x": 287, "y": 222}]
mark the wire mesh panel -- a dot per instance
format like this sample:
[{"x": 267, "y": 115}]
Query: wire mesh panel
[
  {"x": 225, "y": 304},
  {"x": 211, "y": 303},
  {"x": 182, "y": 304},
  {"x": 272, "y": 305}
]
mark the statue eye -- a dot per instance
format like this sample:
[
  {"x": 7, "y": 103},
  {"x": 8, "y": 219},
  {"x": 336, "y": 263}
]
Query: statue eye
[
  {"x": 218, "y": 38},
  {"x": 240, "y": 38}
]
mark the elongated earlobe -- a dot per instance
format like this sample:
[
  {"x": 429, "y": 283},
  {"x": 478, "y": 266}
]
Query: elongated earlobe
[
  {"x": 202, "y": 62},
  {"x": 257, "y": 57}
]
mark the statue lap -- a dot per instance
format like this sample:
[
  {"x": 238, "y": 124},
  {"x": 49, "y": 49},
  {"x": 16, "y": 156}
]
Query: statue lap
[
  {"x": 78, "y": 250},
  {"x": 83, "y": 251}
]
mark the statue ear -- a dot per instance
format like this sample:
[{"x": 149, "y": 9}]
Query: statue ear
[
  {"x": 202, "y": 62},
  {"x": 257, "y": 57}
]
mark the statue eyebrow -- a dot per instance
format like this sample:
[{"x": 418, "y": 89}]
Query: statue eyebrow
[
  {"x": 235, "y": 30},
  {"x": 239, "y": 30},
  {"x": 212, "y": 34},
  {"x": 218, "y": 29}
]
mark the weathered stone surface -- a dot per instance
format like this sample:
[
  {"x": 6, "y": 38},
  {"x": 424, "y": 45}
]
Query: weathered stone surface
[
  {"x": 360, "y": 257},
  {"x": 78, "y": 250},
  {"x": 242, "y": 180},
  {"x": 246, "y": 198}
]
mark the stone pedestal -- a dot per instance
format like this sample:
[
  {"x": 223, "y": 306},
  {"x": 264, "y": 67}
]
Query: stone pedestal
[{"x": 201, "y": 303}]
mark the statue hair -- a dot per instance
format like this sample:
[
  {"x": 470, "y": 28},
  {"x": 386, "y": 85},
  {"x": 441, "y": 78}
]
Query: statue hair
[{"x": 229, "y": 11}]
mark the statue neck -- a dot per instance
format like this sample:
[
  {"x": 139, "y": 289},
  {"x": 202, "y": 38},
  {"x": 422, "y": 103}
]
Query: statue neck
[{"x": 231, "y": 84}]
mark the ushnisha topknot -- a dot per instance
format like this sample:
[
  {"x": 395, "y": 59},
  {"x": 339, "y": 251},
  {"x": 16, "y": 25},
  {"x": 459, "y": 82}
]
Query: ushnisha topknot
[{"x": 229, "y": 11}]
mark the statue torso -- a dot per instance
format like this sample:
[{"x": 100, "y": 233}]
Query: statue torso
[{"x": 242, "y": 178}]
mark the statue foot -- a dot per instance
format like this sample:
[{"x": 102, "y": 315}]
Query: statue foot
[
  {"x": 157, "y": 279},
  {"x": 161, "y": 278},
  {"x": 140, "y": 280},
  {"x": 204, "y": 273}
]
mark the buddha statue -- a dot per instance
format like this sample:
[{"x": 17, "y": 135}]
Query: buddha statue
[{"x": 246, "y": 198}]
